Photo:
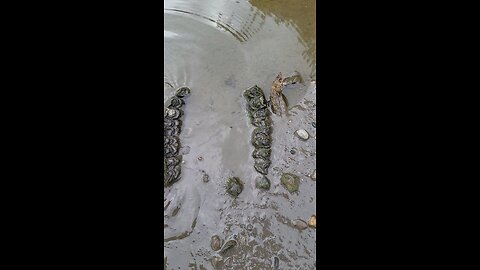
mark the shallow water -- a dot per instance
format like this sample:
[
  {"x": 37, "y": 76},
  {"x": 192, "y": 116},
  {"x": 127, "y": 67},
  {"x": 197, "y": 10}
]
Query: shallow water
[{"x": 219, "y": 48}]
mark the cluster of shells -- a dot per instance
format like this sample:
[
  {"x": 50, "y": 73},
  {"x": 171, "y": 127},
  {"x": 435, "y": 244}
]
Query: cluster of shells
[
  {"x": 171, "y": 142},
  {"x": 259, "y": 115}
]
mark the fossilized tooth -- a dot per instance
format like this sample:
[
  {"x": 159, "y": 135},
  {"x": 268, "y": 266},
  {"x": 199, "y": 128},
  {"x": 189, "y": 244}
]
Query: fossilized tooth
[
  {"x": 262, "y": 141},
  {"x": 176, "y": 103},
  {"x": 170, "y": 150},
  {"x": 261, "y": 165},
  {"x": 170, "y": 140},
  {"x": 174, "y": 131},
  {"x": 253, "y": 92},
  {"x": 234, "y": 186},
  {"x": 262, "y": 182},
  {"x": 290, "y": 181},
  {"x": 173, "y": 113},
  {"x": 257, "y": 103},
  {"x": 172, "y": 175},
  {"x": 172, "y": 125},
  {"x": 182, "y": 92},
  {"x": 261, "y": 122},
  {"x": 262, "y": 153},
  {"x": 264, "y": 112},
  {"x": 168, "y": 123},
  {"x": 262, "y": 131},
  {"x": 172, "y": 161}
]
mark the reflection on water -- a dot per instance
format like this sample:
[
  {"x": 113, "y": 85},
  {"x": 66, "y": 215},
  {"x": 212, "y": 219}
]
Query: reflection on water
[{"x": 218, "y": 48}]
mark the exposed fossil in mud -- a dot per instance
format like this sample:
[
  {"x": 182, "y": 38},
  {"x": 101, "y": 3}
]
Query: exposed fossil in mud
[
  {"x": 262, "y": 182},
  {"x": 290, "y": 182},
  {"x": 216, "y": 243},
  {"x": 234, "y": 186},
  {"x": 171, "y": 141},
  {"x": 278, "y": 101},
  {"x": 259, "y": 114}
]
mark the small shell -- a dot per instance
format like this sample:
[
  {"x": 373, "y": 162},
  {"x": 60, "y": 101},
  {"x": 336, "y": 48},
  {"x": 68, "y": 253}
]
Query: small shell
[
  {"x": 229, "y": 244},
  {"x": 300, "y": 224},
  {"x": 312, "y": 222},
  {"x": 216, "y": 243},
  {"x": 182, "y": 92},
  {"x": 302, "y": 134}
]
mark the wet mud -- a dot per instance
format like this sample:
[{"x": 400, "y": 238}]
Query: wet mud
[{"x": 218, "y": 49}]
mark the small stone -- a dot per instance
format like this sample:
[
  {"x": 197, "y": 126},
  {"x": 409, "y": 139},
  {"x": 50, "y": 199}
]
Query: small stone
[
  {"x": 290, "y": 181},
  {"x": 302, "y": 134},
  {"x": 262, "y": 182},
  {"x": 300, "y": 224},
  {"x": 314, "y": 175},
  {"x": 216, "y": 243},
  {"x": 234, "y": 186},
  {"x": 249, "y": 227},
  {"x": 292, "y": 152},
  {"x": 312, "y": 222},
  {"x": 314, "y": 125},
  {"x": 200, "y": 158},
  {"x": 205, "y": 178}
]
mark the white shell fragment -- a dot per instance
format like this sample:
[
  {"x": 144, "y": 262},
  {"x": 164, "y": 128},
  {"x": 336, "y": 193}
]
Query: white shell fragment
[{"x": 302, "y": 134}]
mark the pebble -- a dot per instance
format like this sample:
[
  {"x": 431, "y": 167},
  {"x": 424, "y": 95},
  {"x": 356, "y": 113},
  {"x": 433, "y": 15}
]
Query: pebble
[
  {"x": 200, "y": 158},
  {"x": 292, "y": 152},
  {"x": 249, "y": 227},
  {"x": 302, "y": 134},
  {"x": 314, "y": 125},
  {"x": 312, "y": 222},
  {"x": 216, "y": 243},
  {"x": 290, "y": 181},
  {"x": 205, "y": 178},
  {"x": 314, "y": 175},
  {"x": 300, "y": 224},
  {"x": 262, "y": 182}
]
